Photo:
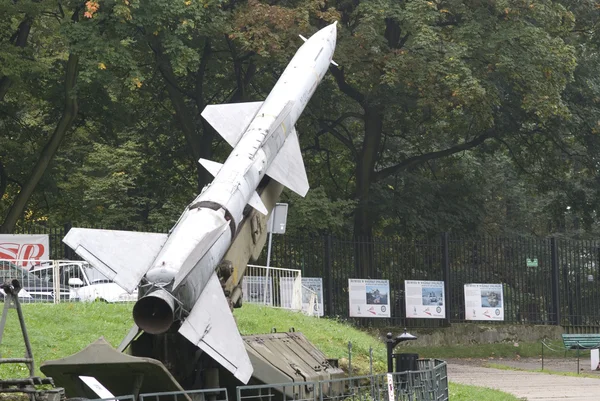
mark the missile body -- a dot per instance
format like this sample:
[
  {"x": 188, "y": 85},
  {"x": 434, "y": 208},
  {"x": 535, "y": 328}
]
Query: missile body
[{"x": 177, "y": 272}]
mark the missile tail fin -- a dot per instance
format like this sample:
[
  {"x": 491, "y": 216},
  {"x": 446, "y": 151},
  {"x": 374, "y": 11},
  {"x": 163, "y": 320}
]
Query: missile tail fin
[
  {"x": 288, "y": 168},
  {"x": 212, "y": 167},
  {"x": 211, "y": 327},
  {"x": 230, "y": 120},
  {"x": 258, "y": 204},
  {"x": 122, "y": 256}
]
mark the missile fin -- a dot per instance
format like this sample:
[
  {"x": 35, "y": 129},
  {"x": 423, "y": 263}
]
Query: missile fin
[
  {"x": 212, "y": 167},
  {"x": 122, "y": 256},
  {"x": 211, "y": 327},
  {"x": 230, "y": 120},
  {"x": 288, "y": 168},
  {"x": 303, "y": 38},
  {"x": 258, "y": 204}
]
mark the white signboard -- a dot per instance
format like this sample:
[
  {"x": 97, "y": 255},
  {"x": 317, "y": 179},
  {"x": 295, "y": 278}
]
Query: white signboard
[
  {"x": 425, "y": 299},
  {"x": 254, "y": 287},
  {"x": 312, "y": 285},
  {"x": 390, "y": 383},
  {"x": 484, "y": 302},
  {"x": 369, "y": 298},
  {"x": 24, "y": 247}
]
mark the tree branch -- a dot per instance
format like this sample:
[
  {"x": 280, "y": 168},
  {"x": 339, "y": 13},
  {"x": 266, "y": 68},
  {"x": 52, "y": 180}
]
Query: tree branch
[
  {"x": 345, "y": 87},
  {"x": 412, "y": 161},
  {"x": 206, "y": 54},
  {"x": 330, "y": 128}
]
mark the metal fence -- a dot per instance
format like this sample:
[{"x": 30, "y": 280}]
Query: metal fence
[
  {"x": 61, "y": 281},
  {"x": 273, "y": 286},
  {"x": 545, "y": 280},
  {"x": 428, "y": 383}
]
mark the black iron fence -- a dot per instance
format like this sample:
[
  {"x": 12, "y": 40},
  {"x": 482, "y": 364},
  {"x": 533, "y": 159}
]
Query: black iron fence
[
  {"x": 545, "y": 280},
  {"x": 549, "y": 281}
]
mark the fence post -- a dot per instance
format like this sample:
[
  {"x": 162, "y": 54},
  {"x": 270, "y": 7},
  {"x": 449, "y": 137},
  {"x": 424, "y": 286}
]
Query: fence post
[
  {"x": 555, "y": 281},
  {"x": 67, "y": 252},
  {"x": 329, "y": 273},
  {"x": 446, "y": 272}
]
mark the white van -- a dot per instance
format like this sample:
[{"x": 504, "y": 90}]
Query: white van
[{"x": 88, "y": 283}]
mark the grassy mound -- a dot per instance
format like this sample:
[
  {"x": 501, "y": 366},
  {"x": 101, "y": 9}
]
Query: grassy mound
[{"x": 56, "y": 331}]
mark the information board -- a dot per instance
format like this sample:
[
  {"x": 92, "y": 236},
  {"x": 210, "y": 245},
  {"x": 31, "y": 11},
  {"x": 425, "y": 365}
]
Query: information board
[
  {"x": 369, "y": 298},
  {"x": 425, "y": 299},
  {"x": 484, "y": 302}
]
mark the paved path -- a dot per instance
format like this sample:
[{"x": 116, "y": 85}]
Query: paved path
[{"x": 528, "y": 385}]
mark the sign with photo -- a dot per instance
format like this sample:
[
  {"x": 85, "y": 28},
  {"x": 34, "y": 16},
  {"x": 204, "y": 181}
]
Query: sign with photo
[
  {"x": 312, "y": 286},
  {"x": 484, "y": 302},
  {"x": 425, "y": 299},
  {"x": 369, "y": 298}
]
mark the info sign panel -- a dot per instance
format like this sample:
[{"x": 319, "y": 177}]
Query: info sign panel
[
  {"x": 484, "y": 302},
  {"x": 369, "y": 298},
  {"x": 425, "y": 299}
]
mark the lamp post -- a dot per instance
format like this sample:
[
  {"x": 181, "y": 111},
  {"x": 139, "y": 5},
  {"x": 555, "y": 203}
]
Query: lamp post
[{"x": 391, "y": 343}]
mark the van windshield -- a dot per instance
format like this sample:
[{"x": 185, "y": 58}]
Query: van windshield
[{"x": 95, "y": 276}]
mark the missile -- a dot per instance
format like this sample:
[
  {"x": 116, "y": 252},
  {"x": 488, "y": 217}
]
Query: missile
[{"x": 176, "y": 272}]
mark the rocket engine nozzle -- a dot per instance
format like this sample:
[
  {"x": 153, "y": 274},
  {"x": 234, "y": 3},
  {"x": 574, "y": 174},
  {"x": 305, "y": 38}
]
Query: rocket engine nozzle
[{"x": 155, "y": 312}]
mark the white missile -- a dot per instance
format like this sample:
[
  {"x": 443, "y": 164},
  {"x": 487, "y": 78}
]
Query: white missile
[{"x": 176, "y": 271}]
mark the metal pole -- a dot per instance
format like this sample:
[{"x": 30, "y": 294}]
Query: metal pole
[
  {"x": 390, "y": 350},
  {"x": 269, "y": 255},
  {"x": 555, "y": 281}
]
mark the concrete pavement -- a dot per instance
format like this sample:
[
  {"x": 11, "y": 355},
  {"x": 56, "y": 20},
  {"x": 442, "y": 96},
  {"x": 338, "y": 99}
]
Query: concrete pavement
[{"x": 527, "y": 385}]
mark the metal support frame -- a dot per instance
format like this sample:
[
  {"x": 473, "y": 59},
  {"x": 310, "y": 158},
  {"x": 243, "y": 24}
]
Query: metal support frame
[{"x": 23, "y": 385}]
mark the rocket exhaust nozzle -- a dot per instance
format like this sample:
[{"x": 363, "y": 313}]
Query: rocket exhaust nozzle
[{"x": 155, "y": 312}]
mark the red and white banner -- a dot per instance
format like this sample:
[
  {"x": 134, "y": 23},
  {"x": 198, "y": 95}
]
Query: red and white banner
[{"x": 24, "y": 247}]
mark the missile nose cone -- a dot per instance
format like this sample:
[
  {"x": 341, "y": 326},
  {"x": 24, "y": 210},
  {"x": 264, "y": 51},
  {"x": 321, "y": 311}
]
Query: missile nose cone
[{"x": 333, "y": 29}]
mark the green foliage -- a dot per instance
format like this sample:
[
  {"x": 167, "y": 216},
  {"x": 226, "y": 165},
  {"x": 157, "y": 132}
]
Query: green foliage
[
  {"x": 380, "y": 137},
  {"x": 318, "y": 213}
]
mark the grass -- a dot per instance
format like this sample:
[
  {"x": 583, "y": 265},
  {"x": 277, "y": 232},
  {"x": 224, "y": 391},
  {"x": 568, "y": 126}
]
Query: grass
[
  {"x": 56, "y": 331},
  {"x": 467, "y": 393}
]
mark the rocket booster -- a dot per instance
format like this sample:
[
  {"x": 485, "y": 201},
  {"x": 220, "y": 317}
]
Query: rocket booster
[{"x": 177, "y": 271}]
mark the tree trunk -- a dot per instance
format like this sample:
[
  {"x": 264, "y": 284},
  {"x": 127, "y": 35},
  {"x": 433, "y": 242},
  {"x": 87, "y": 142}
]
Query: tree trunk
[
  {"x": 3, "y": 180},
  {"x": 65, "y": 122},
  {"x": 20, "y": 41},
  {"x": 365, "y": 167}
]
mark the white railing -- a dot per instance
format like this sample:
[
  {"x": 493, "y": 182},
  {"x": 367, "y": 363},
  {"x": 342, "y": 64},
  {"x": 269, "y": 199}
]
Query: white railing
[
  {"x": 273, "y": 286},
  {"x": 72, "y": 280}
]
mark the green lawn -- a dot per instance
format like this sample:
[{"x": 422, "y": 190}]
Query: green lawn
[{"x": 59, "y": 330}]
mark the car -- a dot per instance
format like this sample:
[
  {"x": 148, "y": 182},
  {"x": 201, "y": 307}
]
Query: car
[
  {"x": 32, "y": 288},
  {"x": 87, "y": 282}
]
